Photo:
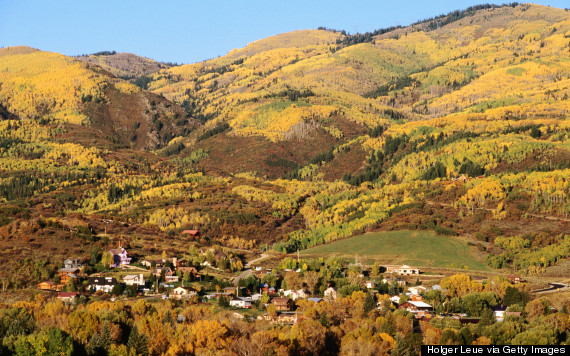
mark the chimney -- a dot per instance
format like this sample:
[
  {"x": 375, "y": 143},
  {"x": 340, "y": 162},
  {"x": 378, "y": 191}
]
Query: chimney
[
  {"x": 141, "y": 279},
  {"x": 174, "y": 261}
]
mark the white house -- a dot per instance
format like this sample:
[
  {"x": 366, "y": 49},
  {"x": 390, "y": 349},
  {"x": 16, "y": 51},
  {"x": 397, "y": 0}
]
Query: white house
[
  {"x": 330, "y": 293},
  {"x": 182, "y": 293},
  {"x": 67, "y": 297},
  {"x": 134, "y": 280},
  {"x": 370, "y": 284},
  {"x": 499, "y": 312},
  {"x": 241, "y": 302},
  {"x": 417, "y": 290},
  {"x": 407, "y": 270},
  {"x": 400, "y": 282},
  {"x": 104, "y": 284},
  {"x": 295, "y": 294},
  {"x": 402, "y": 269}
]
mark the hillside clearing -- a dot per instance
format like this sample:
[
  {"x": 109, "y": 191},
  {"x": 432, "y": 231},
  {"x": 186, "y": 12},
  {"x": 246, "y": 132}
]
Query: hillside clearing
[{"x": 418, "y": 248}]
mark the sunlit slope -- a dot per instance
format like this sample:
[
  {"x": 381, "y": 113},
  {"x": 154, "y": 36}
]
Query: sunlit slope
[
  {"x": 510, "y": 54},
  {"x": 39, "y": 83},
  {"x": 269, "y": 92},
  {"x": 514, "y": 54},
  {"x": 294, "y": 39},
  {"x": 51, "y": 88},
  {"x": 493, "y": 72}
]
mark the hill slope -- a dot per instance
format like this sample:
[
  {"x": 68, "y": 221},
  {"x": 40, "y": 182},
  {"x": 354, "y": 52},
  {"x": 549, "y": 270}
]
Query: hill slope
[
  {"x": 496, "y": 63},
  {"x": 124, "y": 65},
  {"x": 52, "y": 88},
  {"x": 457, "y": 125}
]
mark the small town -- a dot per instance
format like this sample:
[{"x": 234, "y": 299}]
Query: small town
[{"x": 276, "y": 295}]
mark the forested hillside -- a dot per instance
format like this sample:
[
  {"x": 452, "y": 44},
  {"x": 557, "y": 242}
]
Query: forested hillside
[
  {"x": 457, "y": 124},
  {"x": 48, "y": 89},
  {"x": 503, "y": 64}
]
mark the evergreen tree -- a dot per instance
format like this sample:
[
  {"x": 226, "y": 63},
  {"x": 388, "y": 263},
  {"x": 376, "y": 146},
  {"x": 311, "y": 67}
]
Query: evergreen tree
[
  {"x": 324, "y": 320},
  {"x": 487, "y": 317},
  {"x": 369, "y": 302},
  {"x": 117, "y": 289},
  {"x": 138, "y": 342},
  {"x": 223, "y": 302},
  {"x": 100, "y": 341}
]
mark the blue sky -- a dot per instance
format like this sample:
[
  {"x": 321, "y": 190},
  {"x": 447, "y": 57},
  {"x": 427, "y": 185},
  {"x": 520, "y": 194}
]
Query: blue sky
[{"x": 190, "y": 31}]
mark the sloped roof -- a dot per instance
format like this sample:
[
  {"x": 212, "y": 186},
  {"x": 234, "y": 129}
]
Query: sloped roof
[
  {"x": 190, "y": 232},
  {"x": 316, "y": 300},
  {"x": 102, "y": 281},
  {"x": 281, "y": 300},
  {"x": 419, "y": 304}
]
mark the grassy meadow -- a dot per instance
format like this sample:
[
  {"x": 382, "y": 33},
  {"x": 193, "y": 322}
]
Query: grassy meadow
[{"x": 418, "y": 248}]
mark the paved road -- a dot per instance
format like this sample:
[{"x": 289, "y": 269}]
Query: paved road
[
  {"x": 553, "y": 287},
  {"x": 246, "y": 272},
  {"x": 242, "y": 275}
]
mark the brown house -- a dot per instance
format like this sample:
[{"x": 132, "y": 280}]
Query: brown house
[
  {"x": 169, "y": 276},
  {"x": 193, "y": 234},
  {"x": 46, "y": 286},
  {"x": 230, "y": 290},
  {"x": 68, "y": 277},
  {"x": 63, "y": 271},
  {"x": 158, "y": 271},
  {"x": 282, "y": 304}
]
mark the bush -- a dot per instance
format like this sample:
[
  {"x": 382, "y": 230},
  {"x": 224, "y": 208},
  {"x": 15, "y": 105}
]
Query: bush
[{"x": 440, "y": 230}]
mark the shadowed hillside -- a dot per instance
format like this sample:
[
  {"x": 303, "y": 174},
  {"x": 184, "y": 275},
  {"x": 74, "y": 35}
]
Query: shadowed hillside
[{"x": 124, "y": 65}]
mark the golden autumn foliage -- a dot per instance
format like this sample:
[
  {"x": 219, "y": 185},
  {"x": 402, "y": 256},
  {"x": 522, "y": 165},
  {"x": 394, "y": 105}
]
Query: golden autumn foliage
[{"x": 41, "y": 83}]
